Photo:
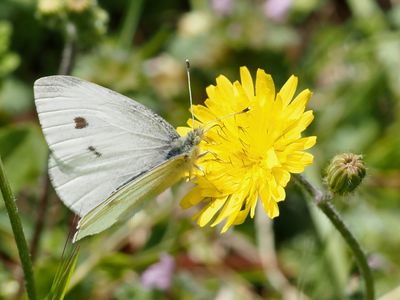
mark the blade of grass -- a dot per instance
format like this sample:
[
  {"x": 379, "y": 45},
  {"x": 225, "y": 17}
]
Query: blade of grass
[
  {"x": 130, "y": 23},
  {"x": 63, "y": 275},
  {"x": 18, "y": 232}
]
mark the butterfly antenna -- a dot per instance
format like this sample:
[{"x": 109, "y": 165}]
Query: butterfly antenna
[
  {"x": 212, "y": 123},
  {"x": 190, "y": 89}
]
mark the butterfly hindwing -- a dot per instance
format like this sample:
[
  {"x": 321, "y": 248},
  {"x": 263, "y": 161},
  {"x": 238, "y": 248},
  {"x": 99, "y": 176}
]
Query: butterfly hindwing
[{"x": 130, "y": 198}]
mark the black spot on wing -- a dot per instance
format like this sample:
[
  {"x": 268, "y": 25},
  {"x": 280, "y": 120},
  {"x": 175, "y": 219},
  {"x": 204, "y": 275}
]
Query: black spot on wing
[
  {"x": 94, "y": 151},
  {"x": 80, "y": 122}
]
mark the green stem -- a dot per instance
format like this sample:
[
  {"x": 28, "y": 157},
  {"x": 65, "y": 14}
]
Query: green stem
[
  {"x": 18, "y": 231},
  {"x": 131, "y": 22},
  {"x": 69, "y": 51},
  {"x": 324, "y": 202}
]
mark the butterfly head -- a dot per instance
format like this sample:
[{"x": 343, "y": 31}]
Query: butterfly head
[
  {"x": 194, "y": 137},
  {"x": 187, "y": 144}
]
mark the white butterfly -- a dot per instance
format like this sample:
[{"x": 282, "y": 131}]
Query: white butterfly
[{"x": 109, "y": 154}]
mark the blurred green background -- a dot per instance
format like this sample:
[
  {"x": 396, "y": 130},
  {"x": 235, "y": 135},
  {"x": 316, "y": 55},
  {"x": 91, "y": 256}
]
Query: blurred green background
[{"x": 346, "y": 51}]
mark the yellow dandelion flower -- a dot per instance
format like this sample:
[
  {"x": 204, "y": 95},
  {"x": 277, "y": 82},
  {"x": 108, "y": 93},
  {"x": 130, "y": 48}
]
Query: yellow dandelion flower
[{"x": 248, "y": 156}]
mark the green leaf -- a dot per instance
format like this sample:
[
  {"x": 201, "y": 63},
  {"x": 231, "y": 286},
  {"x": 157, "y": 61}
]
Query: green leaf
[
  {"x": 15, "y": 97},
  {"x": 24, "y": 153},
  {"x": 63, "y": 276}
]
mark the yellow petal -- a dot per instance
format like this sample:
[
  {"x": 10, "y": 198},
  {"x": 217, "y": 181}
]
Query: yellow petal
[
  {"x": 299, "y": 125},
  {"x": 278, "y": 193},
  {"x": 232, "y": 206},
  {"x": 210, "y": 90},
  {"x": 241, "y": 217},
  {"x": 196, "y": 123},
  {"x": 253, "y": 204},
  {"x": 296, "y": 144},
  {"x": 272, "y": 210},
  {"x": 271, "y": 159},
  {"x": 209, "y": 211},
  {"x": 306, "y": 120},
  {"x": 269, "y": 205},
  {"x": 297, "y": 162},
  {"x": 192, "y": 198},
  {"x": 282, "y": 177},
  {"x": 265, "y": 88},
  {"x": 308, "y": 142},
  {"x": 288, "y": 90},
  {"x": 265, "y": 193},
  {"x": 298, "y": 105},
  {"x": 225, "y": 88},
  {"x": 242, "y": 101},
  {"x": 203, "y": 114},
  {"x": 277, "y": 107},
  {"x": 247, "y": 82},
  {"x": 230, "y": 221},
  {"x": 182, "y": 131}
]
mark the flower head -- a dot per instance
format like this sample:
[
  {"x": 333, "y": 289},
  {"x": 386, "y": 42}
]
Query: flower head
[{"x": 252, "y": 143}]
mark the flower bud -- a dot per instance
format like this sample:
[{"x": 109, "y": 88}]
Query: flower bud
[{"x": 345, "y": 173}]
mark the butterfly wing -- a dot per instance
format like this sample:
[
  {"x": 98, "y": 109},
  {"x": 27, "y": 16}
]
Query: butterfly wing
[
  {"x": 130, "y": 198},
  {"x": 98, "y": 139}
]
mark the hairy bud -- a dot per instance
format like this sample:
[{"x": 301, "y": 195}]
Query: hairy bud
[{"x": 345, "y": 173}]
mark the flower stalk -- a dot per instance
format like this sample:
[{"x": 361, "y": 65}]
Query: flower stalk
[
  {"x": 18, "y": 231},
  {"x": 324, "y": 202}
]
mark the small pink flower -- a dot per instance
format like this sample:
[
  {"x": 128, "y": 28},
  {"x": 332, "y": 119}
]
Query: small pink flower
[
  {"x": 222, "y": 7},
  {"x": 159, "y": 275},
  {"x": 277, "y": 10}
]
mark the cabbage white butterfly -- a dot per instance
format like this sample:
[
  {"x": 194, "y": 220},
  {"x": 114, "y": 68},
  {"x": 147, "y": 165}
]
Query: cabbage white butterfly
[{"x": 108, "y": 153}]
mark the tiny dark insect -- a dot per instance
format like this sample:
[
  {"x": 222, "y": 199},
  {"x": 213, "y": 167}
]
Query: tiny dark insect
[
  {"x": 93, "y": 149},
  {"x": 80, "y": 123}
]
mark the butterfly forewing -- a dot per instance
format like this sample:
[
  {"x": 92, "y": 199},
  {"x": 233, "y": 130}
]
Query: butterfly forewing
[{"x": 99, "y": 140}]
